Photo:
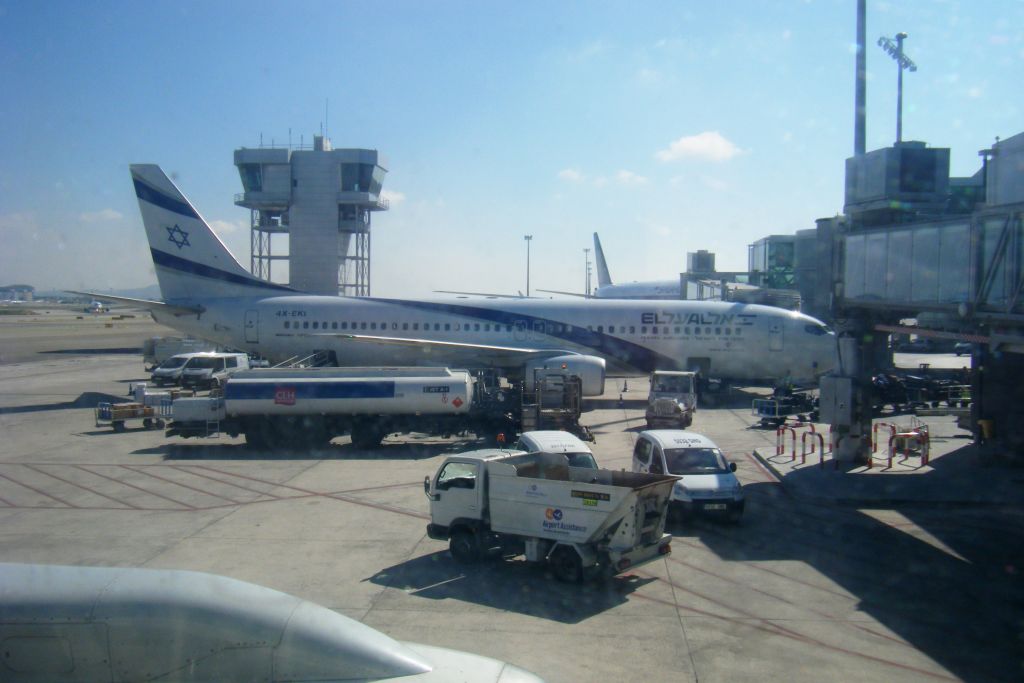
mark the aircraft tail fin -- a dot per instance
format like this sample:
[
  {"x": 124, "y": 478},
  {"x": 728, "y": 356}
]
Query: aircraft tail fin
[
  {"x": 603, "y": 277},
  {"x": 190, "y": 260}
]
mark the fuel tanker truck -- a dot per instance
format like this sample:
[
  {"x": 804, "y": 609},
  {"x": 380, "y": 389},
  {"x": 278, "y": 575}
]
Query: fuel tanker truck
[{"x": 299, "y": 408}]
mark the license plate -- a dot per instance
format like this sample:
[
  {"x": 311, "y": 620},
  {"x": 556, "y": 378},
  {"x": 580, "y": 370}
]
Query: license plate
[{"x": 714, "y": 506}]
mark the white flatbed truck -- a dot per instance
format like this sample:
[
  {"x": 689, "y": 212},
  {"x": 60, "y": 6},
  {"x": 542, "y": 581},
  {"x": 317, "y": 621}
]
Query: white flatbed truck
[{"x": 581, "y": 521}]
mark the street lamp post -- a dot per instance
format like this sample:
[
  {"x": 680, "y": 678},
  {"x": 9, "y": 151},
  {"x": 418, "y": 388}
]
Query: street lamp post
[
  {"x": 895, "y": 51},
  {"x": 528, "y": 238}
]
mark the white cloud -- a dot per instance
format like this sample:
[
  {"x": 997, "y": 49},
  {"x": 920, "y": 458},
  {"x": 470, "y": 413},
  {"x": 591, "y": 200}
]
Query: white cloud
[
  {"x": 600, "y": 181},
  {"x": 393, "y": 196},
  {"x": 101, "y": 216},
  {"x": 227, "y": 227},
  {"x": 570, "y": 174},
  {"x": 629, "y": 178},
  {"x": 708, "y": 146}
]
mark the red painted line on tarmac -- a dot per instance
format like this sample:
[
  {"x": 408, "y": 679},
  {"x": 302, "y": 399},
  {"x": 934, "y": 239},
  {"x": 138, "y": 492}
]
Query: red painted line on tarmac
[
  {"x": 343, "y": 498},
  {"x": 188, "y": 470},
  {"x": 83, "y": 486},
  {"x": 826, "y": 615},
  {"x": 764, "y": 470},
  {"x": 776, "y": 629},
  {"x": 379, "y": 488},
  {"x": 139, "y": 488},
  {"x": 42, "y": 493},
  {"x": 184, "y": 486},
  {"x": 769, "y": 570},
  {"x": 379, "y": 506},
  {"x": 258, "y": 481}
]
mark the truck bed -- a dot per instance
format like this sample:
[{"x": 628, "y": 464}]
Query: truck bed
[{"x": 536, "y": 495}]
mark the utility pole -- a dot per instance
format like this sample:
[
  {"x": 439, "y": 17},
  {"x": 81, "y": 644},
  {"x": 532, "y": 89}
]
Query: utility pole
[
  {"x": 895, "y": 51},
  {"x": 528, "y": 239},
  {"x": 586, "y": 281}
]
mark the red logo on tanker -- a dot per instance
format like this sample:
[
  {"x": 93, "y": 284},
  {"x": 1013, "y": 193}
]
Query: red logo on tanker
[
  {"x": 457, "y": 402},
  {"x": 284, "y": 396}
]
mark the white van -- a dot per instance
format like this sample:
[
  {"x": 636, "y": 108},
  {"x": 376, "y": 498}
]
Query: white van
[
  {"x": 203, "y": 370},
  {"x": 576, "y": 452},
  {"x": 706, "y": 483},
  {"x": 169, "y": 371}
]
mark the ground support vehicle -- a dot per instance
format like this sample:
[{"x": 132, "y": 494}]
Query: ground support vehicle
[
  {"x": 554, "y": 401},
  {"x": 582, "y": 522},
  {"x": 156, "y": 350},
  {"x": 299, "y": 408},
  {"x": 705, "y": 481},
  {"x": 116, "y": 415},
  {"x": 672, "y": 400},
  {"x": 773, "y": 412},
  {"x": 206, "y": 370}
]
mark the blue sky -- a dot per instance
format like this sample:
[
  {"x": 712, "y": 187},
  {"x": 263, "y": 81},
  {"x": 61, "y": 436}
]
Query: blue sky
[{"x": 665, "y": 126}]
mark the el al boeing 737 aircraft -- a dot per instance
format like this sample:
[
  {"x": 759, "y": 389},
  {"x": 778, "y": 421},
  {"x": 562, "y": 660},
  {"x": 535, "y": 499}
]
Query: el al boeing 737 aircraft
[{"x": 208, "y": 294}]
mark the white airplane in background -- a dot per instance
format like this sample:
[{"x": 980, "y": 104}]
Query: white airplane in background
[
  {"x": 96, "y": 307},
  {"x": 207, "y": 294},
  {"x": 606, "y": 289}
]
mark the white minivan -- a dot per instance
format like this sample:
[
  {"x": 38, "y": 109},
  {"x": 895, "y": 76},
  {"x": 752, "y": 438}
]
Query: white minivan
[
  {"x": 169, "y": 371},
  {"x": 203, "y": 370},
  {"x": 575, "y": 451},
  {"x": 707, "y": 483}
]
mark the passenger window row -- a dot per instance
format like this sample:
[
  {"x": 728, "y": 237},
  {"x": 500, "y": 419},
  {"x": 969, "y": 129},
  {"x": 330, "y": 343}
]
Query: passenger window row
[{"x": 543, "y": 328}]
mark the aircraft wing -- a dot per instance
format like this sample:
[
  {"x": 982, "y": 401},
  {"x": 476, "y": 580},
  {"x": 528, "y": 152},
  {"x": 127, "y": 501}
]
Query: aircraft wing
[
  {"x": 486, "y": 353},
  {"x": 142, "y": 303},
  {"x": 555, "y": 291},
  {"x": 489, "y": 295}
]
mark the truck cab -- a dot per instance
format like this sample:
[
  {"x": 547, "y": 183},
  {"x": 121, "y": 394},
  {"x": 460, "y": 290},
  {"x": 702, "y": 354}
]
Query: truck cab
[
  {"x": 672, "y": 400},
  {"x": 706, "y": 481}
]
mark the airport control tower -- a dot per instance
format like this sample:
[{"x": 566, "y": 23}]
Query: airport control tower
[{"x": 322, "y": 198}]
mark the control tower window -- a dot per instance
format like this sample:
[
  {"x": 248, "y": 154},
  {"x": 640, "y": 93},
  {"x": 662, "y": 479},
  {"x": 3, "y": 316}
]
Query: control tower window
[{"x": 252, "y": 177}]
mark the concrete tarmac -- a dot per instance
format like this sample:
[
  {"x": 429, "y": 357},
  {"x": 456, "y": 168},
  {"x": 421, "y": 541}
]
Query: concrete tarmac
[{"x": 801, "y": 590}]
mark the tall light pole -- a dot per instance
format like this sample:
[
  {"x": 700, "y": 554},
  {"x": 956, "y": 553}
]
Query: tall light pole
[
  {"x": 895, "y": 51},
  {"x": 586, "y": 266},
  {"x": 528, "y": 238}
]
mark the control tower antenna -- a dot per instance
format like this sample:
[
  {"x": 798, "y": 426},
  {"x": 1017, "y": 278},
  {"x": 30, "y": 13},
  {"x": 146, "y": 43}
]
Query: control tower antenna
[{"x": 895, "y": 51}]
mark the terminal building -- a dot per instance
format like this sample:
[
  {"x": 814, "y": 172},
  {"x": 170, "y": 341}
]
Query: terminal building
[{"x": 322, "y": 199}]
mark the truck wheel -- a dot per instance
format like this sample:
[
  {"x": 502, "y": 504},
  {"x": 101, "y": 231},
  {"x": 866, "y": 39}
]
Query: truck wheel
[
  {"x": 147, "y": 422},
  {"x": 464, "y": 547},
  {"x": 118, "y": 425},
  {"x": 566, "y": 565},
  {"x": 366, "y": 435}
]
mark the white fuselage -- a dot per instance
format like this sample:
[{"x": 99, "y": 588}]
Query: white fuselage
[{"x": 734, "y": 341}]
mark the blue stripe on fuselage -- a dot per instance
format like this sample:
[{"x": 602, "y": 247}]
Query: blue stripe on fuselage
[
  {"x": 245, "y": 391},
  {"x": 157, "y": 198},
  {"x": 622, "y": 351},
  {"x": 174, "y": 262}
]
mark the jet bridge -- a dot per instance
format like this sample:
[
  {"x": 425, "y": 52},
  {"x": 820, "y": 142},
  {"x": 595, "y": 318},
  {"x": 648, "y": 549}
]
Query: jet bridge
[{"x": 960, "y": 272}]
